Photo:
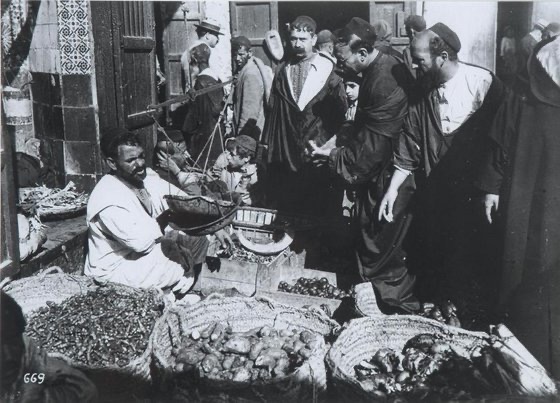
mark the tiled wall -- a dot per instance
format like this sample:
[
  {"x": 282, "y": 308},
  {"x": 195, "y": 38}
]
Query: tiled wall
[{"x": 64, "y": 110}]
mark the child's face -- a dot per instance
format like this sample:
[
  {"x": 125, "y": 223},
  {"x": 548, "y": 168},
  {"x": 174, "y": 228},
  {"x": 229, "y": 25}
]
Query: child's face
[
  {"x": 352, "y": 90},
  {"x": 234, "y": 160}
]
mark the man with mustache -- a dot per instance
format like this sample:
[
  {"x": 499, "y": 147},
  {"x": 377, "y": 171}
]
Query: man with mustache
[
  {"x": 441, "y": 145},
  {"x": 126, "y": 243},
  {"x": 366, "y": 157},
  {"x": 307, "y": 102}
]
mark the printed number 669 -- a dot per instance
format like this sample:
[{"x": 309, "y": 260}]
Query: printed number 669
[{"x": 34, "y": 378}]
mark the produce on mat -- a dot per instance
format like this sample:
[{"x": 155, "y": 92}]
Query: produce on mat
[
  {"x": 444, "y": 313},
  {"x": 258, "y": 355},
  {"x": 237, "y": 252},
  {"x": 43, "y": 200},
  {"x": 429, "y": 369},
  {"x": 106, "y": 327},
  {"x": 315, "y": 287}
]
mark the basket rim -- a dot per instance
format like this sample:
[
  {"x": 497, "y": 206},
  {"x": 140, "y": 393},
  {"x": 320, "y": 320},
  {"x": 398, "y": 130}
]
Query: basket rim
[{"x": 222, "y": 203}]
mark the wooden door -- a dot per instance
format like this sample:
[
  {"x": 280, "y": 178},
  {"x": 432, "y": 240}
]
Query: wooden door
[
  {"x": 178, "y": 34},
  {"x": 253, "y": 20},
  {"x": 394, "y": 12},
  {"x": 9, "y": 238},
  {"x": 124, "y": 39}
]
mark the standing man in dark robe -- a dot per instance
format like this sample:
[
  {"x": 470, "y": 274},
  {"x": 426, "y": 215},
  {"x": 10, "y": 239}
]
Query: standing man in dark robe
[
  {"x": 522, "y": 184},
  {"x": 436, "y": 159},
  {"x": 366, "y": 158},
  {"x": 307, "y": 102},
  {"x": 204, "y": 112}
]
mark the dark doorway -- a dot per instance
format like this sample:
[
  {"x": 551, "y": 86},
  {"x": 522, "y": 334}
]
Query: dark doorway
[{"x": 328, "y": 15}]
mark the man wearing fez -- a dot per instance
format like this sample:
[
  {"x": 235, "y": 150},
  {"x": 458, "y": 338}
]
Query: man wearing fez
[
  {"x": 252, "y": 89},
  {"x": 441, "y": 145},
  {"x": 366, "y": 158},
  {"x": 307, "y": 102}
]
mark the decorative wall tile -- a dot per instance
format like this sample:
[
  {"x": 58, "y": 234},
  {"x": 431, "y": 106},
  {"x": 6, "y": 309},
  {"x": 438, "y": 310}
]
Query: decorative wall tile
[{"x": 73, "y": 36}]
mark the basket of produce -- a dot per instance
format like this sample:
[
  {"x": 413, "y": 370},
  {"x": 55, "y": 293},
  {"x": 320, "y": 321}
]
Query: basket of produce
[
  {"x": 104, "y": 330},
  {"x": 200, "y": 215},
  {"x": 53, "y": 204},
  {"x": 242, "y": 349},
  {"x": 416, "y": 359},
  {"x": 51, "y": 285}
]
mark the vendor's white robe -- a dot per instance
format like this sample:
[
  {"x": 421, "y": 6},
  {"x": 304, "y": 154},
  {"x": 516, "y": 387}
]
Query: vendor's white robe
[{"x": 122, "y": 235}]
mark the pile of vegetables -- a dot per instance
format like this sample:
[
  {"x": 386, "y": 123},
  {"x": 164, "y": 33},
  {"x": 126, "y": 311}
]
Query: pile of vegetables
[
  {"x": 239, "y": 253},
  {"x": 429, "y": 369},
  {"x": 315, "y": 287},
  {"x": 43, "y": 200},
  {"x": 105, "y": 327},
  {"x": 217, "y": 353},
  {"x": 444, "y": 313}
]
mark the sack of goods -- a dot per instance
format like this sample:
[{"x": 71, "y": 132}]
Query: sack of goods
[{"x": 237, "y": 349}]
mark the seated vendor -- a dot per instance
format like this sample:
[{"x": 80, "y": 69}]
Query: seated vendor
[
  {"x": 28, "y": 374},
  {"x": 126, "y": 242}
]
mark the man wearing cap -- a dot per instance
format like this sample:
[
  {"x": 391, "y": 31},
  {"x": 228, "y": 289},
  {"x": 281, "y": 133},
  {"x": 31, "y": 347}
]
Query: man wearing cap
[
  {"x": 307, "y": 102},
  {"x": 240, "y": 172},
  {"x": 522, "y": 185},
  {"x": 208, "y": 33},
  {"x": 325, "y": 44},
  {"x": 529, "y": 41},
  {"x": 441, "y": 144},
  {"x": 363, "y": 162},
  {"x": 252, "y": 89}
]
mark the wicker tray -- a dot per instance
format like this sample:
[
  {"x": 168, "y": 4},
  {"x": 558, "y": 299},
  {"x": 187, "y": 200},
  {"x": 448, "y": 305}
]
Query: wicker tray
[
  {"x": 62, "y": 214},
  {"x": 254, "y": 217}
]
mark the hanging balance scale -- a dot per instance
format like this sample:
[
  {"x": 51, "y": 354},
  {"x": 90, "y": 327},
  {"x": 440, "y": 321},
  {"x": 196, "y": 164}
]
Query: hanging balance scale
[{"x": 198, "y": 214}]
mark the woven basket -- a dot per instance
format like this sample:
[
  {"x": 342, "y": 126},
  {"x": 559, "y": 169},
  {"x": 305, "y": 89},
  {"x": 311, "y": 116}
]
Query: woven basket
[
  {"x": 33, "y": 293},
  {"x": 200, "y": 215},
  {"x": 242, "y": 314},
  {"x": 256, "y": 217},
  {"x": 363, "y": 337},
  {"x": 52, "y": 284}
]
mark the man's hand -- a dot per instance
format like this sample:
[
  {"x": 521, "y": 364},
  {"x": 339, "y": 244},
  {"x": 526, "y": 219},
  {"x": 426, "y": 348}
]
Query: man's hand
[
  {"x": 320, "y": 152},
  {"x": 386, "y": 206},
  {"x": 225, "y": 239},
  {"x": 167, "y": 163},
  {"x": 183, "y": 285},
  {"x": 491, "y": 202}
]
